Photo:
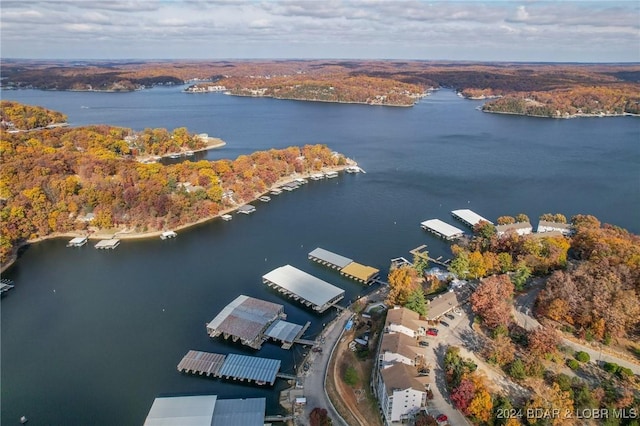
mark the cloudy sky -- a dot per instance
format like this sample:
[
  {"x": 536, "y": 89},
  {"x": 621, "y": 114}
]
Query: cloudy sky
[{"x": 567, "y": 31}]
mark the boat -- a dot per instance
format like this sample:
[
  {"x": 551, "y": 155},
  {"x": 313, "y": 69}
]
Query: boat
[
  {"x": 226, "y": 217},
  {"x": 189, "y": 153},
  {"x": 174, "y": 156},
  {"x": 264, "y": 198},
  {"x": 168, "y": 234},
  {"x": 23, "y": 419}
]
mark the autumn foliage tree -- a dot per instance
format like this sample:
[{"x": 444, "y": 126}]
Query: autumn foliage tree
[
  {"x": 403, "y": 282},
  {"x": 492, "y": 301},
  {"x": 542, "y": 341}
]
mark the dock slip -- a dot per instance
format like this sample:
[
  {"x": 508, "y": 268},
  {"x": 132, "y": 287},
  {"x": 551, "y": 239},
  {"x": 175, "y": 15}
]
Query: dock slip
[
  {"x": 442, "y": 229},
  {"x": 305, "y": 288},
  {"x": 233, "y": 366},
  {"x": 253, "y": 321},
  {"x": 108, "y": 244},
  {"x": 347, "y": 267},
  {"x": 247, "y": 209},
  {"x": 468, "y": 217},
  {"x": 77, "y": 242},
  {"x": 5, "y": 285}
]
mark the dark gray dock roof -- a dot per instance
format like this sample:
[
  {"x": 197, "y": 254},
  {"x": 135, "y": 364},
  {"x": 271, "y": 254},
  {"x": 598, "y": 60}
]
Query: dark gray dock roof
[
  {"x": 202, "y": 362},
  {"x": 283, "y": 331},
  {"x": 250, "y": 368},
  {"x": 239, "y": 412},
  {"x": 245, "y": 317}
]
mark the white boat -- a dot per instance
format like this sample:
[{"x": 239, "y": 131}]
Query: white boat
[
  {"x": 189, "y": 153},
  {"x": 226, "y": 217},
  {"x": 174, "y": 156}
]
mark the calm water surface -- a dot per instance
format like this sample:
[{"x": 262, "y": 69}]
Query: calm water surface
[{"x": 92, "y": 337}]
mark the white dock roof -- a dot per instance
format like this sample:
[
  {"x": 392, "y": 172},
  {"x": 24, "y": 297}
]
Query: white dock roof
[
  {"x": 308, "y": 287},
  {"x": 330, "y": 257},
  {"x": 182, "y": 411},
  {"x": 442, "y": 228},
  {"x": 469, "y": 216}
]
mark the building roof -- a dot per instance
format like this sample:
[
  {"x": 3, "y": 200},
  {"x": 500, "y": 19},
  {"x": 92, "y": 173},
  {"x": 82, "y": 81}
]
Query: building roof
[
  {"x": 556, "y": 225},
  {"x": 206, "y": 410},
  {"x": 330, "y": 257},
  {"x": 246, "y": 208},
  {"x": 107, "y": 243},
  {"x": 202, "y": 362},
  {"x": 245, "y": 317},
  {"x": 441, "y": 305},
  {"x": 250, "y": 368},
  {"x": 283, "y": 331},
  {"x": 405, "y": 317},
  {"x": 399, "y": 343},
  {"x": 469, "y": 217},
  {"x": 442, "y": 228},
  {"x": 308, "y": 287},
  {"x": 360, "y": 272},
  {"x": 514, "y": 226},
  {"x": 78, "y": 240},
  {"x": 239, "y": 412},
  {"x": 400, "y": 377}
]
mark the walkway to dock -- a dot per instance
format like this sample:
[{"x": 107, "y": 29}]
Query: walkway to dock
[{"x": 418, "y": 251}]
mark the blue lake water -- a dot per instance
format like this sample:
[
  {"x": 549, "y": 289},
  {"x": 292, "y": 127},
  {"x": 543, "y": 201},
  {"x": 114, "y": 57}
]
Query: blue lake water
[{"x": 92, "y": 337}]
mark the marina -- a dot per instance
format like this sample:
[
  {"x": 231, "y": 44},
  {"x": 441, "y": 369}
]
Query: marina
[
  {"x": 77, "y": 242},
  {"x": 168, "y": 234},
  {"x": 107, "y": 244},
  {"x": 304, "y": 288},
  {"x": 442, "y": 229},
  {"x": 468, "y": 217},
  {"x": 252, "y": 369},
  {"x": 347, "y": 267},
  {"x": 246, "y": 209}
]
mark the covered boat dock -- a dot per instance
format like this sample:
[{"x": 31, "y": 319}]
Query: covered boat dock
[
  {"x": 305, "y": 288},
  {"x": 442, "y": 229},
  {"x": 347, "y": 267},
  {"x": 468, "y": 217},
  {"x": 108, "y": 244},
  {"x": 77, "y": 242},
  {"x": 233, "y": 366}
]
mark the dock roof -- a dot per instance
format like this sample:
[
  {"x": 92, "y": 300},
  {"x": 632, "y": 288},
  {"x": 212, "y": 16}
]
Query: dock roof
[
  {"x": 202, "y": 362},
  {"x": 469, "y": 217},
  {"x": 283, "y": 331},
  {"x": 112, "y": 243},
  {"x": 239, "y": 412},
  {"x": 245, "y": 317},
  {"x": 330, "y": 257},
  {"x": 360, "y": 272},
  {"x": 442, "y": 228},
  {"x": 78, "y": 240},
  {"x": 182, "y": 411},
  {"x": 250, "y": 368},
  {"x": 303, "y": 285}
]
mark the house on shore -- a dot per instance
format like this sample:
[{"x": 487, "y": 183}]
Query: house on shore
[{"x": 520, "y": 228}]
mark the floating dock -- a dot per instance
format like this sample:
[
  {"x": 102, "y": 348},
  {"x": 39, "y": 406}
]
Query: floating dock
[
  {"x": 77, "y": 242},
  {"x": 468, "y": 217},
  {"x": 247, "y": 209},
  {"x": 168, "y": 234},
  {"x": 290, "y": 186},
  {"x": 317, "y": 176},
  {"x": 253, "y": 321},
  {"x": 226, "y": 217},
  {"x": 108, "y": 244},
  {"x": 275, "y": 191},
  {"x": 347, "y": 267},
  {"x": 264, "y": 198},
  {"x": 442, "y": 229},
  {"x": 5, "y": 285},
  {"x": 331, "y": 175},
  {"x": 252, "y": 369},
  {"x": 304, "y": 288}
]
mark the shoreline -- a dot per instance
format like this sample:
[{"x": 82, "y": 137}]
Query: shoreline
[
  {"x": 125, "y": 234},
  {"x": 320, "y": 100},
  {"x": 563, "y": 117},
  {"x": 212, "y": 143}
]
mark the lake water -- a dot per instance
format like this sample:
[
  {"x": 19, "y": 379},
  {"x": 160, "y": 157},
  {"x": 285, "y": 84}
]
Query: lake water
[{"x": 92, "y": 337}]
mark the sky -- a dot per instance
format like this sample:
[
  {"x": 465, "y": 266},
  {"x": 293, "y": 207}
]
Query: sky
[{"x": 551, "y": 31}]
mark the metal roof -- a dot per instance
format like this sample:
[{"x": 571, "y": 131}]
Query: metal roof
[
  {"x": 182, "y": 411},
  {"x": 308, "y": 287},
  {"x": 239, "y": 412},
  {"x": 283, "y": 331},
  {"x": 359, "y": 271},
  {"x": 250, "y": 368},
  {"x": 468, "y": 216},
  {"x": 442, "y": 228},
  {"x": 330, "y": 257},
  {"x": 245, "y": 317},
  {"x": 202, "y": 362}
]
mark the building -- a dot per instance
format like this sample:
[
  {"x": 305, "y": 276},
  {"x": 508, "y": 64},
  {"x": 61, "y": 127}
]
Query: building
[
  {"x": 401, "y": 393},
  {"x": 206, "y": 410},
  {"x": 442, "y": 229},
  {"x": 442, "y": 305},
  {"x": 398, "y": 347},
  {"x": 520, "y": 228},
  {"x": 405, "y": 321},
  {"x": 546, "y": 226},
  {"x": 468, "y": 217}
]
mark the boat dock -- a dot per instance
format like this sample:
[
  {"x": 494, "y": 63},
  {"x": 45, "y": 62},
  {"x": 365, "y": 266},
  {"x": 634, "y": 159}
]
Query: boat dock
[
  {"x": 317, "y": 176},
  {"x": 275, "y": 191},
  {"x": 168, "y": 234},
  {"x": 468, "y": 217},
  {"x": 331, "y": 175},
  {"x": 286, "y": 332},
  {"x": 226, "y": 217},
  {"x": 242, "y": 368},
  {"x": 264, "y": 198},
  {"x": 442, "y": 229},
  {"x": 347, "y": 267},
  {"x": 77, "y": 242},
  {"x": 5, "y": 285},
  {"x": 304, "y": 288},
  {"x": 290, "y": 186},
  {"x": 108, "y": 244},
  {"x": 418, "y": 251},
  {"x": 247, "y": 209}
]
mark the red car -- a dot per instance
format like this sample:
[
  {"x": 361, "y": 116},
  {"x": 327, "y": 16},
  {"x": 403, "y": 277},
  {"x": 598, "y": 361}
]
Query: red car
[
  {"x": 442, "y": 418},
  {"x": 432, "y": 332}
]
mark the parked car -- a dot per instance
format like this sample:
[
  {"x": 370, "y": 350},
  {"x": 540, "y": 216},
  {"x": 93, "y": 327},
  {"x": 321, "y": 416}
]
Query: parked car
[
  {"x": 451, "y": 317},
  {"x": 316, "y": 349},
  {"x": 446, "y": 324},
  {"x": 432, "y": 332},
  {"x": 424, "y": 372},
  {"x": 423, "y": 343},
  {"x": 442, "y": 418}
]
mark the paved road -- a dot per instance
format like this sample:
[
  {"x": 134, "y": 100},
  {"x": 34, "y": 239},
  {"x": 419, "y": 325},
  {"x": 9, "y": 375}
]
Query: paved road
[
  {"x": 522, "y": 315},
  {"x": 314, "y": 387}
]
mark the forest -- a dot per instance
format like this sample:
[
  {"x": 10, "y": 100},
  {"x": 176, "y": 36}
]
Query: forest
[
  {"x": 539, "y": 89},
  {"x": 52, "y": 178}
]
